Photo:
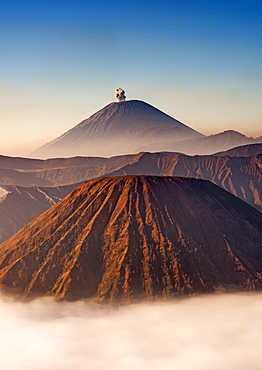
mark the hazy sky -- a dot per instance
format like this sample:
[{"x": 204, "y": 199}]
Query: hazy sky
[{"x": 199, "y": 61}]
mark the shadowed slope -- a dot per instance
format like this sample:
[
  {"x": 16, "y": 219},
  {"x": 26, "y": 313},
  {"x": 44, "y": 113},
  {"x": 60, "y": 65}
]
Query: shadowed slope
[{"x": 137, "y": 236}]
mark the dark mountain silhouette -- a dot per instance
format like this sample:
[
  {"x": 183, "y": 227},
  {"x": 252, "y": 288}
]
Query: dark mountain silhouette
[
  {"x": 118, "y": 128},
  {"x": 132, "y": 237},
  {"x": 20, "y": 205},
  {"x": 203, "y": 145}
]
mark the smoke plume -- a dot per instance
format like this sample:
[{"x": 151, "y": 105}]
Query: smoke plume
[
  {"x": 200, "y": 333},
  {"x": 120, "y": 94}
]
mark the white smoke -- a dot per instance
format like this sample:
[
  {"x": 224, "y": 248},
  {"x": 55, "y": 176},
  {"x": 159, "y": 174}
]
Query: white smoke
[
  {"x": 120, "y": 94},
  {"x": 202, "y": 333}
]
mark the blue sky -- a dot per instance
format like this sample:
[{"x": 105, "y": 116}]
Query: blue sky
[{"x": 199, "y": 61}]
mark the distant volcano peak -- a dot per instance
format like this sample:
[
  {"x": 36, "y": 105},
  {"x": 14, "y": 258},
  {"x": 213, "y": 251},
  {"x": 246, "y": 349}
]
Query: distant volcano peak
[{"x": 118, "y": 128}]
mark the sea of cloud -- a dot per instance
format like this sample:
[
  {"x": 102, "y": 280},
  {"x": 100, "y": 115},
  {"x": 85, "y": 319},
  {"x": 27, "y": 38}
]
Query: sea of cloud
[{"x": 222, "y": 331}]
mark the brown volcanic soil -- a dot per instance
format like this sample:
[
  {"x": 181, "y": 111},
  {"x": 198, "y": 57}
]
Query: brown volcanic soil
[{"x": 137, "y": 236}]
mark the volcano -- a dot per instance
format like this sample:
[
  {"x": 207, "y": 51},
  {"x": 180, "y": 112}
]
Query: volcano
[
  {"x": 118, "y": 128},
  {"x": 131, "y": 237}
]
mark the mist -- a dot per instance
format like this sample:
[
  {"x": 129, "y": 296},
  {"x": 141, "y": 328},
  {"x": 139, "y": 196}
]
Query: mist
[{"x": 211, "y": 332}]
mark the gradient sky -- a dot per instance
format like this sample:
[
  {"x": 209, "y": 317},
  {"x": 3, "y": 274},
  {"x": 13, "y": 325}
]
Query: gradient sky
[{"x": 199, "y": 61}]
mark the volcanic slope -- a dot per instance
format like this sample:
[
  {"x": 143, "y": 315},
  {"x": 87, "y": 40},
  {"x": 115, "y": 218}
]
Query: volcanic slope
[
  {"x": 241, "y": 176},
  {"x": 133, "y": 237},
  {"x": 118, "y": 128}
]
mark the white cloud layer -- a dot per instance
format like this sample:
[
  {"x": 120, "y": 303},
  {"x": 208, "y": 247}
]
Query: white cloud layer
[{"x": 201, "y": 333}]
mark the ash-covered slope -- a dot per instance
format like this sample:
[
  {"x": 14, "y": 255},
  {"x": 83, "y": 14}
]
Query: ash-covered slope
[
  {"x": 118, "y": 128},
  {"x": 137, "y": 237},
  {"x": 20, "y": 205}
]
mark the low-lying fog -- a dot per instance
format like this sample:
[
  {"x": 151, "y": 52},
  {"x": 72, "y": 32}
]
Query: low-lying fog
[{"x": 212, "y": 332}]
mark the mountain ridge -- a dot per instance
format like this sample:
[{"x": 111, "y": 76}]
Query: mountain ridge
[
  {"x": 242, "y": 151},
  {"x": 56, "y": 171},
  {"x": 241, "y": 174},
  {"x": 207, "y": 145}
]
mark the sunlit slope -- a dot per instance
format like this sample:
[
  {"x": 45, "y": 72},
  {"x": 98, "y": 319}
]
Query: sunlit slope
[{"x": 134, "y": 237}]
